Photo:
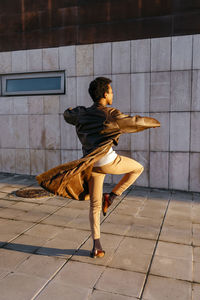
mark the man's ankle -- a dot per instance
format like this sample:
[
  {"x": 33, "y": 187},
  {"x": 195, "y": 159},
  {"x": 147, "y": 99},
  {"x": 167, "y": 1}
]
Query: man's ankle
[
  {"x": 97, "y": 244},
  {"x": 112, "y": 196}
]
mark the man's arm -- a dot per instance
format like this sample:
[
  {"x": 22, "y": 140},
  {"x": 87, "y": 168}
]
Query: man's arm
[
  {"x": 70, "y": 115},
  {"x": 129, "y": 124}
]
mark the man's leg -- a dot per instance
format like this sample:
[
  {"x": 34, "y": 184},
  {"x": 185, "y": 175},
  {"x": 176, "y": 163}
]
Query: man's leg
[
  {"x": 121, "y": 165},
  {"x": 96, "y": 190}
]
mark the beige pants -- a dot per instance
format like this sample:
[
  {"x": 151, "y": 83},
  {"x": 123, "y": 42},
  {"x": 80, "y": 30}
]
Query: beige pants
[{"x": 121, "y": 165}]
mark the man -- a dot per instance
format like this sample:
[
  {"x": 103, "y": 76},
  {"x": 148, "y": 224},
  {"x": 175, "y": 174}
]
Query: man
[{"x": 98, "y": 127}]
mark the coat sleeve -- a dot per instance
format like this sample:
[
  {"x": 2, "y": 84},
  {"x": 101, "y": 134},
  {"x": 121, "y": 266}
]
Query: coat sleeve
[
  {"x": 128, "y": 124},
  {"x": 70, "y": 115}
]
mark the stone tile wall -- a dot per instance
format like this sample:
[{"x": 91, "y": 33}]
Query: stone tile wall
[{"x": 153, "y": 77}]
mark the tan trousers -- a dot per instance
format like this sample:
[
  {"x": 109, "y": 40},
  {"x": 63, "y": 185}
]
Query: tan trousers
[{"x": 121, "y": 165}]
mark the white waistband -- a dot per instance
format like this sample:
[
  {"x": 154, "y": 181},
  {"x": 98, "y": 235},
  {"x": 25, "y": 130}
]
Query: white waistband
[{"x": 106, "y": 159}]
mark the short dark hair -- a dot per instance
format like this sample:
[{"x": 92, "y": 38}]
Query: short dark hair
[{"x": 98, "y": 87}]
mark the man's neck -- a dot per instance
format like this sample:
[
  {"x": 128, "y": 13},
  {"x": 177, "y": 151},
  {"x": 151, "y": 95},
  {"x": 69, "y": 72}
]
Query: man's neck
[{"x": 102, "y": 102}]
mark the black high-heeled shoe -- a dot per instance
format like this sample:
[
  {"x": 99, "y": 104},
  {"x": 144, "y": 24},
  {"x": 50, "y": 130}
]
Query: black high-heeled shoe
[{"x": 97, "y": 253}]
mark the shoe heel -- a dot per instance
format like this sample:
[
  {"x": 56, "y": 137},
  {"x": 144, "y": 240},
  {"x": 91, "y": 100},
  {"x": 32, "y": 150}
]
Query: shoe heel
[{"x": 97, "y": 253}]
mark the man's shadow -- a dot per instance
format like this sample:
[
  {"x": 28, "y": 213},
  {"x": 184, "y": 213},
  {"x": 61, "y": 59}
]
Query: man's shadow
[{"x": 40, "y": 250}]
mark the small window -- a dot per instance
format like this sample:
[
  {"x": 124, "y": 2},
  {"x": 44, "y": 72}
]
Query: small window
[{"x": 35, "y": 83}]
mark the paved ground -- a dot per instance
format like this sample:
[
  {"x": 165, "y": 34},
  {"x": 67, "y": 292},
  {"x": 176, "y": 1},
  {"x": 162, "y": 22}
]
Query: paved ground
[{"x": 151, "y": 239}]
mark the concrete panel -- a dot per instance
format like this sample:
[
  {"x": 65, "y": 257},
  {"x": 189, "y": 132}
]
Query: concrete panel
[
  {"x": 121, "y": 90},
  {"x": 140, "y": 92},
  {"x": 195, "y": 291},
  {"x": 7, "y": 137},
  {"x": 21, "y": 131},
  {"x": 175, "y": 268},
  {"x": 140, "y": 56},
  {"x": 52, "y": 159},
  {"x": 161, "y": 54},
  {"x": 31, "y": 284},
  {"x": 99, "y": 295},
  {"x": 140, "y": 140},
  {"x": 67, "y": 59},
  {"x": 70, "y": 98},
  {"x": 124, "y": 142},
  {"x": 121, "y": 58},
  {"x": 158, "y": 288},
  {"x": 35, "y": 265},
  {"x": 179, "y": 131},
  {"x": 102, "y": 58},
  {"x": 159, "y": 162},
  {"x": 22, "y": 161},
  {"x": 36, "y": 131},
  {"x": 19, "y": 61},
  {"x": 34, "y": 60},
  {"x": 195, "y": 172},
  {"x": 35, "y": 105},
  {"x": 8, "y": 160},
  {"x": 52, "y": 131},
  {"x": 51, "y": 104},
  {"x": 5, "y": 62},
  {"x": 84, "y": 60},
  {"x": 68, "y": 155},
  {"x": 79, "y": 274},
  {"x": 179, "y": 258},
  {"x": 83, "y": 97},
  {"x": 139, "y": 252},
  {"x": 195, "y": 132},
  {"x": 20, "y": 105},
  {"x": 180, "y": 91},
  {"x": 160, "y": 92},
  {"x": 159, "y": 137},
  {"x": 37, "y": 161},
  {"x": 196, "y": 90},
  {"x": 181, "y": 52},
  {"x": 50, "y": 59},
  {"x": 64, "y": 292},
  {"x": 68, "y": 135},
  {"x": 179, "y": 171},
  {"x": 143, "y": 158},
  {"x": 130, "y": 282},
  {"x": 6, "y": 105},
  {"x": 196, "y": 50}
]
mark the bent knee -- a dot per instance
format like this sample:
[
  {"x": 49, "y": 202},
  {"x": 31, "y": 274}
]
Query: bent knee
[{"x": 141, "y": 168}]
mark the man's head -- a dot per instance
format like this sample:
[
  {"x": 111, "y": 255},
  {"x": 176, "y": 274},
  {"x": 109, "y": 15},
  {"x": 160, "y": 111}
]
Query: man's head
[{"x": 100, "y": 88}]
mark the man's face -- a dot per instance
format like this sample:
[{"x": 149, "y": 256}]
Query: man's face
[{"x": 109, "y": 95}]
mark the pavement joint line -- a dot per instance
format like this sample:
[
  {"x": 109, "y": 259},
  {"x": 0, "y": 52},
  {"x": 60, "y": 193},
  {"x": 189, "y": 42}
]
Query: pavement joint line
[
  {"x": 26, "y": 230},
  {"x": 192, "y": 244},
  {"x": 113, "y": 293},
  {"x": 58, "y": 270},
  {"x": 178, "y": 279},
  {"x": 69, "y": 258},
  {"x": 49, "y": 280},
  {"x": 155, "y": 248},
  {"x": 117, "y": 204}
]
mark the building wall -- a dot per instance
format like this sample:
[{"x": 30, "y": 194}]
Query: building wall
[
  {"x": 153, "y": 77},
  {"x": 30, "y": 24}
]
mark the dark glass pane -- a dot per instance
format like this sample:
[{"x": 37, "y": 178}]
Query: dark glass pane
[{"x": 33, "y": 84}]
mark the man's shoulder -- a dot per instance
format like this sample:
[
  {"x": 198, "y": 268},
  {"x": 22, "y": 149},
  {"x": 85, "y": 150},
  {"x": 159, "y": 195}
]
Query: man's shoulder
[{"x": 114, "y": 111}]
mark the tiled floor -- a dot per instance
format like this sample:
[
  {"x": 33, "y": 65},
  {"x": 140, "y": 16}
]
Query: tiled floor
[{"x": 151, "y": 239}]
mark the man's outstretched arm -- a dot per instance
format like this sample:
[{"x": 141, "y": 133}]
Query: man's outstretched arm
[{"x": 129, "y": 124}]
